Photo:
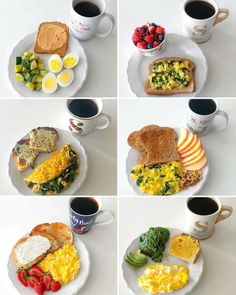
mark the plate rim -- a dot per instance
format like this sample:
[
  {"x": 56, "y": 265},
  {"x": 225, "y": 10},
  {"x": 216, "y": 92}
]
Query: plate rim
[
  {"x": 31, "y": 94},
  {"x": 57, "y": 195},
  {"x": 135, "y": 52}
]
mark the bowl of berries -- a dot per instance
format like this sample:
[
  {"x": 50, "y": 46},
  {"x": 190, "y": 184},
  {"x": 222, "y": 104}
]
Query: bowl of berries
[{"x": 149, "y": 39}]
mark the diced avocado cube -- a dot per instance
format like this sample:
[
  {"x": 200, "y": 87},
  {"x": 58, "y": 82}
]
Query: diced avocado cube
[
  {"x": 18, "y": 68},
  {"x": 38, "y": 86},
  {"x": 19, "y": 77},
  {"x": 33, "y": 65},
  {"x": 34, "y": 79},
  {"x": 18, "y": 60},
  {"x": 26, "y": 76},
  {"x": 43, "y": 72},
  {"x": 34, "y": 57},
  {"x": 30, "y": 78},
  {"x": 27, "y": 54},
  {"x": 39, "y": 79},
  {"x": 30, "y": 86},
  {"x": 26, "y": 64},
  {"x": 35, "y": 72}
]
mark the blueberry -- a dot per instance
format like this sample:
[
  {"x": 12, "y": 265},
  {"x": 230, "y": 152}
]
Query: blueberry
[
  {"x": 153, "y": 25},
  {"x": 144, "y": 29},
  {"x": 149, "y": 45},
  {"x": 160, "y": 37}
]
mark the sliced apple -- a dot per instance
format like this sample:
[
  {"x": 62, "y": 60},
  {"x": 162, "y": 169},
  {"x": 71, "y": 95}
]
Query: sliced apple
[
  {"x": 191, "y": 145},
  {"x": 196, "y": 159},
  {"x": 192, "y": 156},
  {"x": 182, "y": 136},
  {"x": 198, "y": 165},
  {"x": 187, "y": 142}
]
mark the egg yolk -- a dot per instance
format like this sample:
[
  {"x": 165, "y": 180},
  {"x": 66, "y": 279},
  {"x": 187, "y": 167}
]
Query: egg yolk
[
  {"x": 64, "y": 77},
  {"x": 55, "y": 65},
  {"x": 50, "y": 83},
  {"x": 69, "y": 62}
]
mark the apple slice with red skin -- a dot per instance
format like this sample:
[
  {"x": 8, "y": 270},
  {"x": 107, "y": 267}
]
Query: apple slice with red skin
[
  {"x": 187, "y": 142},
  {"x": 183, "y": 134},
  {"x": 194, "y": 160},
  {"x": 192, "y": 156},
  {"x": 198, "y": 165},
  {"x": 191, "y": 146}
]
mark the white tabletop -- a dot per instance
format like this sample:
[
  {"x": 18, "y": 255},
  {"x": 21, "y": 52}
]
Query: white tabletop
[
  {"x": 219, "y": 146},
  {"x": 19, "y": 215},
  {"x": 20, "y": 18},
  {"x": 219, "y": 50},
  {"x": 218, "y": 251},
  {"x": 19, "y": 116}
]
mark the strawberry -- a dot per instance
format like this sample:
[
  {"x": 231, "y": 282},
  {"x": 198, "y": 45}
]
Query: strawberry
[
  {"x": 46, "y": 280},
  {"x": 155, "y": 44},
  {"x": 137, "y": 37},
  {"x": 152, "y": 30},
  {"x": 149, "y": 38},
  {"x": 32, "y": 281},
  {"x": 142, "y": 45},
  {"x": 23, "y": 277},
  {"x": 35, "y": 271},
  {"x": 138, "y": 29},
  {"x": 55, "y": 286},
  {"x": 160, "y": 30},
  {"x": 39, "y": 288}
]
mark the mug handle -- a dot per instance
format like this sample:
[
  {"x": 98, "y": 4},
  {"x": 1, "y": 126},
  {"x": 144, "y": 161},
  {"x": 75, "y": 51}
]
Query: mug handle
[
  {"x": 112, "y": 216},
  {"x": 225, "y": 14},
  {"x": 222, "y": 114},
  {"x": 222, "y": 216},
  {"x": 112, "y": 21},
  {"x": 106, "y": 124}
]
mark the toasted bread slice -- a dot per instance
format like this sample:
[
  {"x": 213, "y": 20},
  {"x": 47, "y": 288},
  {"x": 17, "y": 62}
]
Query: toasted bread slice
[
  {"x": 43, "y": 139},
  {"x": 56, "y": 35},
  {"x": 185, "y": 247},
  {"x": 55, "y": 244},
  {"x": 23, "y": 155},
  {"x": 157, "y": 91},
  {"x": 33, "y": 261}
]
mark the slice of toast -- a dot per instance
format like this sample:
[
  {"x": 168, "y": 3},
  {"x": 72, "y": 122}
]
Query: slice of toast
[
  {"x": 57, "y": 36},
  {"x": 157, "y": 91},
  {"x": 43, "y": 139},
  {"x": 185, "y": 247},
  {"x": 23, "y": 155}
]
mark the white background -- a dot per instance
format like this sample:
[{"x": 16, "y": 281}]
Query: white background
[
  {"x": 219, "y": 50},
  {"x": 19, "y": 18},
  {"x": 219, "y": 146},
  {"x": 18, "y": 215},
  {"x": 19, "y": 116},
  {"x": 218, "y": 251}
]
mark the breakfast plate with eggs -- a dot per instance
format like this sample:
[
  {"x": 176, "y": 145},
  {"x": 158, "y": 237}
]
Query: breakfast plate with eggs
[
  {"x": 177, "y": 46},
  {"x": 166, "y": 161},
  {"x": 49, "y": 258},
  {"x": 160, "y": 261},
  {"x": 47, "y": 74},
  {"x": 47, "y": 161}
]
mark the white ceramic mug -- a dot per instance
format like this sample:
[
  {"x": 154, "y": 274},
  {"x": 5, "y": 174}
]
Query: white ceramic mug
[
  {"x": 202, "y": 226},
  {"x": 85, "y": 125},
  {"x": 85, "y": 28},
  {"x": 201, "y": 124},
  {"x": 200, "y": 30}
]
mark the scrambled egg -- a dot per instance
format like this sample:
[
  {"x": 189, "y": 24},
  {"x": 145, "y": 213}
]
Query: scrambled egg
[
  {"x": 170, "y": 75},
  {"x": 63, "y": 264},
  {"x": 161, "y": 179},
  {"x": 161, "y": 278}
]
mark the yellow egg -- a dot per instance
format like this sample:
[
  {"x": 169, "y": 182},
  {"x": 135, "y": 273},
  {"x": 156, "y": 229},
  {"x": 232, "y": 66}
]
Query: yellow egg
[
  {"x": 70, "y": 60},
  {"x": 161, "y": 278},
  {"x": 55, "y": 63},
  {"x": 49, "y": 83},
  {"x": 65, "y": 78}
]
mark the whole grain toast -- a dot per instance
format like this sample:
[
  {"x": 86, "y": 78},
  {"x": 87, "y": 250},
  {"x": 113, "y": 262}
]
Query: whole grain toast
[
  {"x": 43, "y": 139},
  {"x": 60, "y": 50},
  {"x": 189, "y": 89},
  {"x": 55, "y": 244}
]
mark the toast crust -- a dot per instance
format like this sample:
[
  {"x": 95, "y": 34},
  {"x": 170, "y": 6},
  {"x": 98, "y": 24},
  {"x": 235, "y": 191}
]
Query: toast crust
[{"x": 189, "y": 89}]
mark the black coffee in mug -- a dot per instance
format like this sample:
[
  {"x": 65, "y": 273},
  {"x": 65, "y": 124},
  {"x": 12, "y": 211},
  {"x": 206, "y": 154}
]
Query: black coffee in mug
[
  {"x": 83, "y": 108},
  {"x": 84, "y": 206},
  {"x": 202, "y": 106},
  {"x": 87, "y": 9},
  {"x": 203, "y": 206},
  {"x": 200, "y": 9}
]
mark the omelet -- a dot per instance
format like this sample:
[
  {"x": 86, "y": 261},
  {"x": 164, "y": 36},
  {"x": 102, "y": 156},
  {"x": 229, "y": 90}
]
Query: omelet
[
  {"x": 161, "y": 278},
  {"x": 160, "y": 179},
  {"x": 56, "y": 173},
  {"x": 63, "y": 264}
]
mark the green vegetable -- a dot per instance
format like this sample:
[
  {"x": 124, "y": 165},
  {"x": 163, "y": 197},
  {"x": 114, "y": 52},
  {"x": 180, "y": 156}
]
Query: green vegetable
[
  {"x": 26, "y": 64},
  {"x": 30, "y": 85},
  {"x": 152, "y": 243},
  {"x": 18, "y": 68},
  {"x": 19, "y": 77},
  {"x": 33, "y": 65},
  {"x": 18, "y": 60},
  {"x": 136, "y": 259},
  {"x": 26, "y": 76},
  {"x": 38, "y": 86},
  {"x": 27, "y": 54}
]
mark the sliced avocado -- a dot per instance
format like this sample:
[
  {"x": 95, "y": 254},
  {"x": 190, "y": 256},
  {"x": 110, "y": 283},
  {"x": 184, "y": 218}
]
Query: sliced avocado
[
  {"x": 26, "y": 76},
  {"x": 35, "y": 72}
]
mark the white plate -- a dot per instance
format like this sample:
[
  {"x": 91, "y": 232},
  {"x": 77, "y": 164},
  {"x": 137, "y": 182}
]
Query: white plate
[
  {"x": 176, "y": 46},
  {"x": 132, "y": 160},
  {"x": 131, "y": 275},
  {"x": 70, "y": 289},
  {"x": 65, "y": 137},
  {"x": 80, "y": 70}
]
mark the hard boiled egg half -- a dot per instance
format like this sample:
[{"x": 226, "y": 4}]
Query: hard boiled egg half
[
  {"x": 49, "y": 83},
  {"x": 55, "y": 63},
  {"x": 70, "y": 60},
  {"x": 65, "y": 78}
]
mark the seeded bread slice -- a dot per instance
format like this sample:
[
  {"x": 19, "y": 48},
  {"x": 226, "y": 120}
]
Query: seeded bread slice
[
  {"x": 23, "y": 155},
  {"x": 43, "y": 139},
  {"x": 189, "y": 89}
]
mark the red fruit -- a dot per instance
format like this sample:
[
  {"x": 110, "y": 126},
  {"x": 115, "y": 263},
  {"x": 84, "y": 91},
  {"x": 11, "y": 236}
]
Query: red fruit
[
  {"x": 152, "y": 30},
  {"x": 155, "y": 44},
  {"x": 46, "y": 280},
  {"x": 160, "y": 30},
  {"x": 137, "y": 37},
  {"x": 142, "y": 45},
  {"x": 39, "y": 288},
  {"x": 32, "y": 281},
  {"x": 36, "y": 271},
  {"x": 138, "y": 29},
  {"x": 149, "y": 38},
  {"x": 23, "y": 277},
  {"x": 55, "y": 286}
]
